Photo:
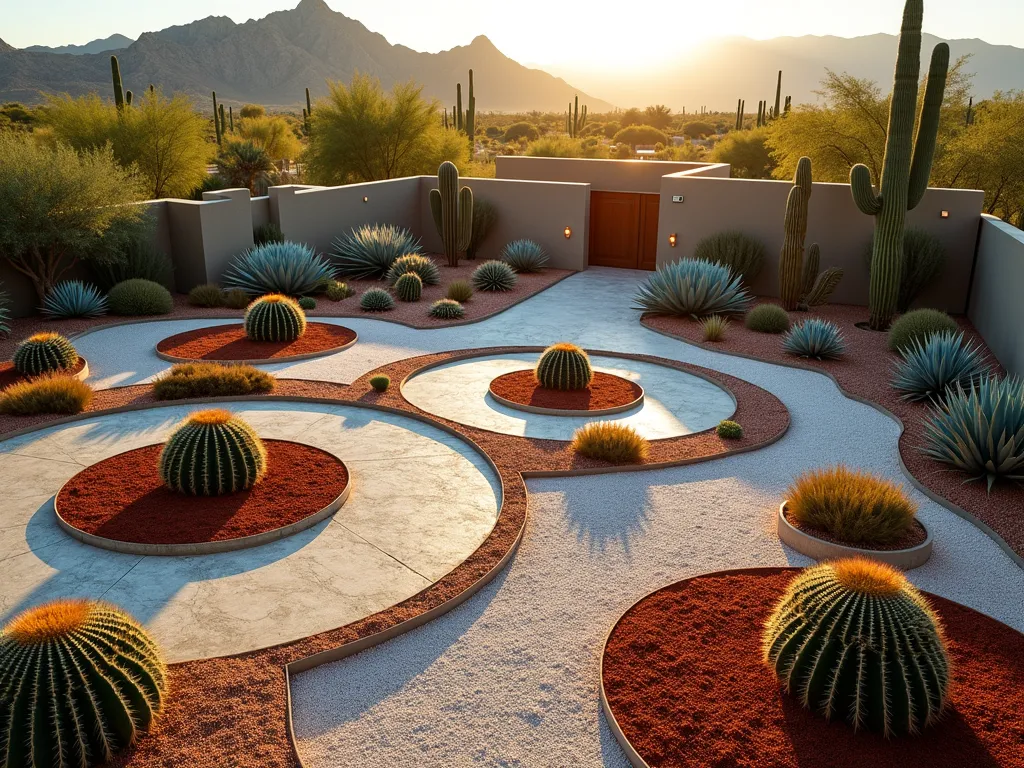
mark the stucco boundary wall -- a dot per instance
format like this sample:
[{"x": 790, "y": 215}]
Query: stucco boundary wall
[
  {"x": 997, "y": 292},
  {"x": 642, "y": 176},
  {"x": 712, "y": 204}
]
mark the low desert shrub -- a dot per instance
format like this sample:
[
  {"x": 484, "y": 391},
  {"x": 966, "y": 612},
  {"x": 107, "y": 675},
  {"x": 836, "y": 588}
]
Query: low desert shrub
[
  {"x": 73, "y": 298},
  {"x": 211, "y": 380},
  {"x": 409, "y": 287},
  {"x": 815, "y": 338},
  {"x": 422, "y": 266},
  {"x": 44, "y": 352},
  {"x": 139, "y": 259},
  {"x": 139, "y": 297},
  {"x": 729, "y": 430},
  {"x": 494, "y": 276},
  {"x": 940, "y": 361},
  {"x": 307, "y": 303},
  {"x": 741, "y": 253},
  {"x": 447, "y": 309},
  {"x": 380, "y": 383},
  {"x": 50, "y": 393},
  {"x": 337, "y": 291},
  {"x": 207, "y": 295},
  {"x": 518, "y": 131},
  {"x": 611, "y": 442},
  {"x": 692, "y": 287},
  {"x": 919, "y": 324},
  {"x": 368, "y": 251},
  {"x": 460, "y": 291},
  {"x": 376, "y": 300},
  {"x": 291, "y": 269},
  {"x": 767, "y": 318},
  {"x": 713, "y": 327},
  {"x": 236, "y": 299},
  {"x": 267, "y": 233},
  {"x": 524, "y": 256}
]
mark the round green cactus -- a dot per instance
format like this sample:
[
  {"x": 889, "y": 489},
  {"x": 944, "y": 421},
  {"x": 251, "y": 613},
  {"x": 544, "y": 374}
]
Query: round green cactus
[
  {"x": 376, "y": 300},
  {"x": 274, "y": 317},
  {"x": 494, "y": 276},
  {"x": 852, "y": 639},
  {"x": 307, "y": 303},
  {"x": 212, "y": 453},
  {"x": 564, "y": 366},
  {"x": 447, "y": 309},
  {"x": 79, "y": 680},
  {"x": 44, "y": 352},
  {"x": 409, "y": 287},
  {"x": 423, "y": 266}
]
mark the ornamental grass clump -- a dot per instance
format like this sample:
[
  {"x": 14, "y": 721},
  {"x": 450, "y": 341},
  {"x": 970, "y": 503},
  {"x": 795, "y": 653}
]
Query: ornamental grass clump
[
  {"x": 980, "y": 430},
  {"x": 376, "y": 300},
  {"x": 815, "y": 338},
  {"x": 767, "y": 318},
  {"x": 564, "y": 367},
  {"x": 73, "y": 298},
  {"x": 237, "y": 299},
  {"x": 855, "y": 507},
  {"x": 79, "y": 681},
  {"x": 741, "y": 253},
  {"x": 44, "y": 352},
  {"x": 187, "y": 380},
  {"x": 421, "y": 266},
  {"x": 928, "y": 368},
  {"x": 54, "y": 393},
  {"x": 368, "y": 251},
  {"x": 292, "y": 269},
  {"x": 137, "y": 297},
  {"x": 447, "y": 309},
  {"x": 274, "y": 317},
  {"x": 610, "y": 441},
  {"x": 208, "y": 295},
  {"x": 380, "y": 383},
  {"x": 694, "y": 288},
  {"x": 460, "y": 291},
  {"x": 713, "y": 328},
  {"x": 524, "y": 256},
  {"x": 919, "y": 325},
  {"x": 409, "y": 287},
  {"x": 494, "y": 276},
  {"x": 212, "y": 453},
  {"x": 853, "y": 640}
]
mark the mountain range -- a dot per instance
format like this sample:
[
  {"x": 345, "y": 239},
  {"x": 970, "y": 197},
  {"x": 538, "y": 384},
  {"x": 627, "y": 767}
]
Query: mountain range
[{"x": 106, "y": 45}]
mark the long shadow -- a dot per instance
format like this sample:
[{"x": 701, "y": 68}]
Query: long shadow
[{"x": 594, "y": 526}]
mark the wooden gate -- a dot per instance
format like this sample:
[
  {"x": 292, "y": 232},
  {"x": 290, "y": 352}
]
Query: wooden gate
[{"x": 623, "y": 229}]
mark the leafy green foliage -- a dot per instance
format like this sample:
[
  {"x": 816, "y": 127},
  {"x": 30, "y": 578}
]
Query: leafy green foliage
[
  {"x": 815, "y": 338},
  {"x": 460, "y": 291},
  {"x": 698, "y": 129},
  {"x": 52, "y": 392},
  {"x": 289, "y": 268},
  {"x": 919, "y": 325},
  {"x": 423, "y": 267},
  {"x": 73, "y": 298},
  {"x": 139, "y": 297},
  {"x": 610, "y": 441},
  {"x": 43, "y": 353},
  {"x": 640, "y": 134},
  {"x": 747, "y": 153},
  {"x": 564, "y": 367},
  {"x": 692, "y": 287},
  {"x": 208, "y": 295},
  {"x": 447, "y": 309},
  {"x": 930, "y": 366},
  {"x": 212, "y": 453},
  {"x": 138, "y": 259},
  {"x": 376, "y": 300},
  {"x": 524, "y": 256},
  {"x": 274, "y": 317},
  {"x": 409, "y": 287},
  {"x": 368, "y": 251},
  {"x": 713, "y": 327},
  {"x": 246, "y": 164},
  {"x": 518, "y": 131},
  {"x": 743, "y": 254},
  {"x": 494, "y": 276},
  {"x": 189, "y": 380},
  {"x": 729, "y": 430},
  {"x": 380, "y": 383},
  {"x": 767, "y": 318}
]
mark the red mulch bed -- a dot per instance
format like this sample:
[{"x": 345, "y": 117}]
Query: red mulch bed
[
  {"x": 605, "y": 391},
  {"x": 866, "y": 370},
  {"x": 684, "y": 678},
  {"x": 9, "y": 376},
  {"x": 122, "y": 498},
  {"x": 914, "y": 535},
  {"x": 229, "y": 342}
]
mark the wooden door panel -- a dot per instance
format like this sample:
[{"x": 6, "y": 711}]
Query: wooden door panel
[
  {"x": 614, "y": 229},
  {"x": 648, "y": 256}
]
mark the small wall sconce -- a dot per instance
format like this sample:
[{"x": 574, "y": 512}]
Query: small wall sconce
[
  {"x": 366, "y": 199},
  {"x": 944, "y": 214},
  {"x": 568, "y": 232},
  {"x": 672, "y": 239}
]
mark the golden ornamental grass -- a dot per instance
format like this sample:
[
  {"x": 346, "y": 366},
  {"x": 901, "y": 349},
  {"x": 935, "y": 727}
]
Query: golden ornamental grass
[
  {"x": 50, "y": 393},
  {"x": 714, "y": 327},
  {"x": 610, "y": 441}
]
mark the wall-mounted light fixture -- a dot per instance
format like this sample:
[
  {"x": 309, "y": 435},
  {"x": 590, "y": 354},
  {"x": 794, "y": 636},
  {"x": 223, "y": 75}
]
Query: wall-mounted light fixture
[
  {"x": 672, "y": 239},
  {"x": 366, "y": 199},
  {"x": 568, "y": 232},
  {"x": 944, "y": 214}
]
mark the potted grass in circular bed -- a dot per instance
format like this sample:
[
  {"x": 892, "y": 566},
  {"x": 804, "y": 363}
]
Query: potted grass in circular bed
[{"x": 838, "y": 512}]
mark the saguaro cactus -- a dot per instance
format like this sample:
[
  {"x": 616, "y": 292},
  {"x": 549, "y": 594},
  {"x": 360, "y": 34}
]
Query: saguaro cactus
[
  {"x": 789, "y": 105},
  {"x": 452, "y": 209},
  {"x": 778, "y": 97},
  {"x": 907, "y": 164},
  {"x": 575, "y": 120},
  {"x": 223, "y": 121},
  {"x": 471, "y": 114},
  {"x": 115, "y": 74},
  {"x": 218, "y": 129},
  {"x": 458, "y": 104}
]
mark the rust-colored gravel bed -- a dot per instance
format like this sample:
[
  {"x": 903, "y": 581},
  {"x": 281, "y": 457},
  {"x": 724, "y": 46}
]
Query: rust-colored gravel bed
[
  {"x": 228, "y": 343},
  {"x": 9, "y": 376},
  {"x": 865, "y": 371},
  {"x": 914, "y": 535},
  {"x": 683, "y": 676},
  {"x": 605, "y": 391},
  {"x": 123, "y": 498}
]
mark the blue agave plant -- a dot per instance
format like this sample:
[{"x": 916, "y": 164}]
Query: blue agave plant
[
  {"x": 289, "y": 268},
  {"x": 980, "y": 429},
  {"x": 932, "y": 366},
  {"x": 73, "y": 298},
  {"x": 693, "y": 287},
  {"x": 367, "y": 252},
  {"x": 815, "y": 338},
  {"x": 524, "y": 256}
]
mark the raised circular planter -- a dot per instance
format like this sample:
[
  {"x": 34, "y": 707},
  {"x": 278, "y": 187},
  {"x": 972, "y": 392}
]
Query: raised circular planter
[
  {"x": 229, "y": 344},
  {"x": 615, "y": 393},
  {"x": 115, "y": 527},
  {"x": 820, "y": 549},
  {"x": 9, "y": 376}
]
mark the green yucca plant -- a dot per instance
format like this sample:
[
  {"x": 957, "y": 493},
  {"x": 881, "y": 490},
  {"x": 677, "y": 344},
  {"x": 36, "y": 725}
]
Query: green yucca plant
[
  {"x": 815, "y": 338},
  {"x": 79, "y": 680},
  {"x": 292, "y": 269},
  {"x": 853, "y": 640},
  {"x": 368, "y": 251},
  {"x": 565, "y": 367},
  {"x": 713, "y": 327},
  {"x": 73, "y": 298},
  {"x": 494, "y": 276},
  {"x": 376, "y": 300},
  {"x": 524, "y": 256},
  {"x": 212, "y": 453},
  {"x": 929, "y": 367},
  {"x": 44, "y": 352},
  {"x": 409, "y": 287},
  {"x": 692, "y": 287},
  {"x": 274, "y": 317},
  {"x": 421, "y": 266},
  {"x": 980, "y": 430},
  {"x": 447, "y": 309}
]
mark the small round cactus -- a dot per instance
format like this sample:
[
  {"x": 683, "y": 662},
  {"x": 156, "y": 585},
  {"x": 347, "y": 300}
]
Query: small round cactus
[
  {"x": 212, "y": 453},
  {"x": 422, "y": 266},
  {"x": 852, "y": 639},
  {"x": 729, "y": 430},
  {"x": 380, "y": 383},
  {"x": 409, "y": 287},
  {"x": 79, "y": 680},
  {"x": 274, "y": 317},
  {"x": 564, "y": 366},
  {"x": 307, "y": 303},
  {"x": 494, "y": 276},
  {"x": 446, "y": 309},
  {"x": 44, "y": 352},
  {"x": 376, "y": 300}
]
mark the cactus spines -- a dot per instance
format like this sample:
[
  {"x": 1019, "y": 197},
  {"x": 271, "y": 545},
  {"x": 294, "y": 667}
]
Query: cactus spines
[
  {"x": 115, "y": 75},
  {"x": 452, "y": 209},
  {"x": 212, "y": 453},
  {"x": 274, "y": 317},
  {"x": 44, "y": 352},
  {"x": 409, "y": 287},
  {"x": 564, "y": 366},
  {"x": 79, "y": 680},
  {"x": 218, "y": 129},
  {"x": 853, "y": 640},
  {"x": 907, "y": 164}
]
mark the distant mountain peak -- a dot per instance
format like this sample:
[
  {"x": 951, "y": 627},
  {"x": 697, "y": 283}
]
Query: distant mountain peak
[
  {"x": 112, "y": 43},
  {"x": 4, "y": 47},
  {"x": 313, "y": 6}
]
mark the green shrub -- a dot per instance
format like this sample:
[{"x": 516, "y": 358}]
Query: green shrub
[
  {"x": 409, "y": 287},
  {"x": 139, "y": 259},
  {"x": 524, "y": 256},
  {"x": 852, "y": 639},
  {"x": 187, "y": 380},
  {"x": 138, "y": 297},
  {"x": 924, "y": 256},
  {"x": 376, "y": 300},
  {"x": 274, "y": 317},
  {"x": 291, "y": 269},
  {"x": 729, "y": 430},
  {"x": 267, "y": 233},
  {"x": 367, "y": 252},
  {"x": 338, "y": 291},
  {"x": 815, "y": 338},
  {"x": 565, "y": 367},
  {"x": 919, "y": 324},
  {"x": 307, "y": 303},
  {"x": 692, "y": 287},
  {"x": 73, "y": 298},
  {"x": 494, "y": 276},
  {"x": 43, "y": 353},
  {"x": 447, "y": 309},
  {"x": 236, "y": 299},
  {"x": 743, "y": 254},
  {"x": 380, "y": 383},
  {"x": 610, "y": 441},
  {"x": 640, "y": 134},
  {"x": 460, "y": 291},
  {"x": 941, "y": 361},
  {"x": 697, "y": 129},
  {"x": 518, "y": 131},
  {"x": 767, "y": 318},
  {"x": 49, "y": 393},
  {"x": 212, "y": 453},
  {"x": 208, "y": 295},
  {"x": 92, "y": 669},
  {"x": 423, "y": 267},
  {"x": 713, "y": 328}
]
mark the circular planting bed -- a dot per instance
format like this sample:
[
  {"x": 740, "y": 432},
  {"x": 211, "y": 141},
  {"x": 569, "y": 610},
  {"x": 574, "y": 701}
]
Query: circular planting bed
[
  {"x": 909, "y": 551},
  {"x": 683, "y": 684},
  {"x": 9, "y": 376},
  {"x": 606, "y": 394},
  {"x": 229, "y": 344},
  {"x": 122, "y": 504}
]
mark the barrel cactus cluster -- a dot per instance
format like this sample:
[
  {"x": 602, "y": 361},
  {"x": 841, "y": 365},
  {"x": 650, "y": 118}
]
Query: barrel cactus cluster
[
  {"x": 274, "y": 317},
  {"x": 43, "y": 353},
  {"x": 212, "y": 453},
  {"x": 565, "y": 367},
  {"x": 79, "y": 680},
  {"x": 409, "y": 287},
  {"x": 423, "y": 266},
  {"x": 853, "y": 640}
]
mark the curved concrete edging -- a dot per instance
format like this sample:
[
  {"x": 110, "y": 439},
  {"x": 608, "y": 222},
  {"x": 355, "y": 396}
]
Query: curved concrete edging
[
  {"x": 567, "y": 411},
  {"x": 259, "y": 360},
  {"x": 940, "y": 500},
  {"x": 204, "y": 547},
  {"x": 820, "y": 549}
]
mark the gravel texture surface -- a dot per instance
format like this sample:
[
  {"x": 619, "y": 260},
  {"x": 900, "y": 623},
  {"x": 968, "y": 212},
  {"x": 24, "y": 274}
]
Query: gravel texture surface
[
  {"x": 605, "y": 391},
  {"x": 226, "y": 343}
]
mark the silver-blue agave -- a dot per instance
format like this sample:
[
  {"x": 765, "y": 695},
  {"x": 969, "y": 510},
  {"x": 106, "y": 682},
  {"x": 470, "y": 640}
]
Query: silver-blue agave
[
  {"x": 693, "y": 287},
  {"x": 815, "y": 338},
  {"x": 73, "y": 298},
  {"x": 929, "y": 367},
  {"x": 524, "y": 256},
  {"x": 293, "y": 269},
  {"x": 368, "y": 251}
]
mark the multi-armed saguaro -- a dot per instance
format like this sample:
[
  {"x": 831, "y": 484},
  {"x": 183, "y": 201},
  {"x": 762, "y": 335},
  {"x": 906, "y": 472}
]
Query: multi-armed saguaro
[
  {"x": 907, "y": 164},
  {"x": 574, "y": 121},
  {"x": 452, "y": 209}
]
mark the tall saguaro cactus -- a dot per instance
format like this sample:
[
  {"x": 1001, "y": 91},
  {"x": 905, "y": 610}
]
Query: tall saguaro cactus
[
  {"x": 778, "y": 97},
  {"x": 115, "y": 75},
  {"x": 458, "y": 104},
  {"x": 452, "y": 209},
  {"x": 907, "y": 164},
  {"x": 217, "y": 127},
  {"x": 471, "y": 114},
  {"x": 575, "y": 120}
]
